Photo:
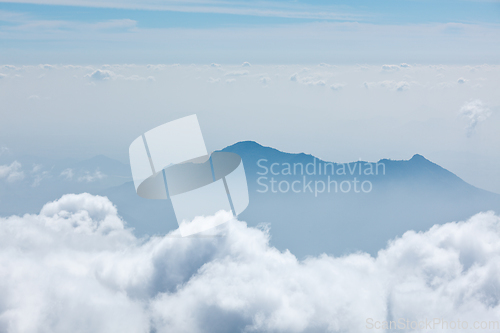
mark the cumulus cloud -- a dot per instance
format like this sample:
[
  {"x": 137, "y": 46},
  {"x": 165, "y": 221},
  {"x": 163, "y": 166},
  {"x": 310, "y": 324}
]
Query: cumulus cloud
[
  {"x": 4, "y": 150},
  {"x": 215, "y": 65},
  {"x": 388, "y": 84},
  {"x": 67, "y": 174},
  {"x": 246, "y": 64},
  {"x": 405, "y": 65},
  {"x": 213, "y": 80},
  {"x": 77, "y": 267},
  {"x": 89, "y": 177},
  {"x": 100, "y": 75},
  {"x": 337, "y": 86},
  {"x": 9, "y": 67},
  {"x": 237, "y": 73},
  {"x": 47, "y": 66},
  {"x": 474, "y": 112},
  {"x": 308, "y": 80},
  {"x": 265, "y": 79},
  {"x": 12, "y": 172},
  {"x": 39, "y": 174},
  {"x": 390, "y": 68},
  {"x": 105, "y": 74},
  {"x": 462, "y": 80}
]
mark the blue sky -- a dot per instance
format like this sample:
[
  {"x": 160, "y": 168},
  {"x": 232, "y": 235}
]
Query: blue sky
[
  {"x": 210, "y": 14},
  {"x": 265, "y": 32}
]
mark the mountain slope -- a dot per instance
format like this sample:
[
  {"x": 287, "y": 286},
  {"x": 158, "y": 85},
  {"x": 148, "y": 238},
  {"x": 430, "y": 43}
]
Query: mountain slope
[{"x": 413, "y": 194}]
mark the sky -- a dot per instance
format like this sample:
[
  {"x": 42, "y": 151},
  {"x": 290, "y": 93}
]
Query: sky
[{"x": 277, "y": 32}]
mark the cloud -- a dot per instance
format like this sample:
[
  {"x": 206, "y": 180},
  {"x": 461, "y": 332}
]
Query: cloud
[
  {"x": 12, "y": 172},
  {"x": 242, "y": 8},
  {"x": 474, "y": 112},
  {"x": 76, "y": 267},
  {"x": 100, "y": 75},
  {"x": 246, "y": 64},
  {"x": 405, "y": 65},
  {"x": 390, "y": 68},
  {"x": 237, "y": 73},
  {"x": 308, "y": 80},
  {"x": 213, "y": 80},
  {"x": 91, "y": 177},
  {"x": 265, "y": 79},
  {"x": 462, "y": 80},
  {"x": 4, "y": 150},
  {"x": 38, "y": 174},
  {"x": 388, "y": 84},
  {"x": 337, "y": 86},
  {"x": 67, "y": 174},
  {"x": 104, "y": 74}
]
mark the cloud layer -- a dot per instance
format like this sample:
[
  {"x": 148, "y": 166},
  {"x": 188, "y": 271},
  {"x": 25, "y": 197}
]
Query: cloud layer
[
  {"x": 76, "y": 267},
  {"x": 475, "y": 112}
]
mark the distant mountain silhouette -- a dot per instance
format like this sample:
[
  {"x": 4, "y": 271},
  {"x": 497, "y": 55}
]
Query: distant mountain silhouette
[
  {"x": 409, "y": 194},
  {"x": 413, "y": 194}
]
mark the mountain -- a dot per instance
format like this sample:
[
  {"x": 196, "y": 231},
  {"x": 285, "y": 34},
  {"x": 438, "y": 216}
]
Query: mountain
[
  {"x": 413, "y": 194},
  {"x": 366, "y": 205}
]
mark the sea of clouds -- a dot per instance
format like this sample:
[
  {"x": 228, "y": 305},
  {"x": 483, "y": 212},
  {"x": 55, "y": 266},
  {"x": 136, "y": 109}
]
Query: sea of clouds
[{"x": 76, "y": 267}]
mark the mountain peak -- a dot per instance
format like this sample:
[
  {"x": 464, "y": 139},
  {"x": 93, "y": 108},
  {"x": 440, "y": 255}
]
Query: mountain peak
[{"x": 418, "y": 157}]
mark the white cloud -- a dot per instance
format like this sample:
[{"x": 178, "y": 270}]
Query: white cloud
[
  {"x": 101, "y": 74},
  {"x": 12, "y": 172},
  {"x": 75, "y": 267},
  {"x": 308, "y": 80},
  {"x": 246, "y": 64},
  {"x": 67, "y": 174},
  {"x": 390, "y": 68},
  {"x": 47, "y": 66},
  {"x": 337, "y": 86},
  {"x": 38, "y": 174},
  {"x": 91, "y": 177},
  {"x": 9, "y": 67},
  {"x": 325, "y": 65},
  {"x": 265, "y": 79},
  {"x": 475, "y": 112},
  {"x": 237, "y": 73},
  {"x": 243, "y": 8},
  {"x": 105, "y": 74},
  {"x": 405, "y": 65},
  {"x": 4, "y": 150},
  {"x": 215, "y": 65},
  {"x": 388, "y": 84},
  {"x": 213, "y": 80},
  {"x": 462, "y": 80}
]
